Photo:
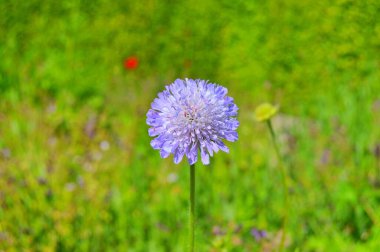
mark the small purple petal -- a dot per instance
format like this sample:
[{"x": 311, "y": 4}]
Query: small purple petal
[
  {"x": 154, "y": 131},
  {"x": 192, "y": 155},
  {"x": 209, "y": 148},
  {"x": 155, "y": 144},
  {"x": 222, "y": 146},
  {"x": 205, "y": 157},
  {"x": 178, "y": 156},
  {"x": 164, "y": 154},
  {"x": 232, "y": 136}
]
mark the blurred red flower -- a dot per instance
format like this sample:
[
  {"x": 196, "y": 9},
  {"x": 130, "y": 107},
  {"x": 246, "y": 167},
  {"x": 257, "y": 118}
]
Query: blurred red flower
[{"x": 131, "y": 63}]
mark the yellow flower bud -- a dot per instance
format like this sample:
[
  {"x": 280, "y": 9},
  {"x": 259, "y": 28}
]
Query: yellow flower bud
[{"x": 265, "y": 111}]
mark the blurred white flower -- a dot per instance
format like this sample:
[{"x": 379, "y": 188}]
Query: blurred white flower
[
  {"x": 172, "y": 177},
  {"x": 104, "y": 145}
]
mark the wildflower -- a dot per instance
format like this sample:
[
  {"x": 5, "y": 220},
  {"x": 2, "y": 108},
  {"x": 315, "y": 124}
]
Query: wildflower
[
  {"x": 265, "y": 111},
  {"x": 258, "y": 234},
  {"x": 104, "y": 145},
  {"x": 218, "y": 231},
  {"x": 172, "y": 178},
  {"x": 191, "y": 115},
  {"x": 70, "y": 187},
  {"x": 131, "y": 63}
]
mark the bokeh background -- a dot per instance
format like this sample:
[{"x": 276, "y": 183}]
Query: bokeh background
[{"x": 77, "y": 172}]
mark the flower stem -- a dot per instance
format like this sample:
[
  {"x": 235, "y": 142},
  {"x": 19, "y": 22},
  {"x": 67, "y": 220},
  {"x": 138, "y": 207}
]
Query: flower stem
[
  {"x": 191, "y": 208},
  {"x": 284, "y": 184}
]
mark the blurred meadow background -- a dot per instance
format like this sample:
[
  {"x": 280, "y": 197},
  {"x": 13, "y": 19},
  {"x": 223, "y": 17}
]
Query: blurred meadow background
[{"x": 77, "y": 172}]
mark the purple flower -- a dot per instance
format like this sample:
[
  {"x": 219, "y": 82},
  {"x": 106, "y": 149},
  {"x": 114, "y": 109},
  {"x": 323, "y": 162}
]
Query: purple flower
[
  {"x": 258, "y": 234},
  {"x": 191, "y": 115}
]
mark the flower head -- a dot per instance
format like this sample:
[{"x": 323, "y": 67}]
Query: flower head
[
  {"x": 131, "y": 63},
  {"x": 265, "y": 111},
  {"x": 259, "y": 234},
  {"x": 191, "y": 115}
]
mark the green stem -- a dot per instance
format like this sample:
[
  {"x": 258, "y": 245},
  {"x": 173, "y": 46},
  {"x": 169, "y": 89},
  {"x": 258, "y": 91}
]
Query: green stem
[
  {"x": 284, "y": 183},
  {"x": 191, "y": 208}
]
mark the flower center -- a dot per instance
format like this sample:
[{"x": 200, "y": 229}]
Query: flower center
[{"x": 190, "y": 114}]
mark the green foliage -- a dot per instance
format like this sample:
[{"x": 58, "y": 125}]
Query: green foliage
[{"x": 76, "y": 169}]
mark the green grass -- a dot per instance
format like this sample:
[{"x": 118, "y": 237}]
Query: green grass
[{"x": 77, "y": 172}]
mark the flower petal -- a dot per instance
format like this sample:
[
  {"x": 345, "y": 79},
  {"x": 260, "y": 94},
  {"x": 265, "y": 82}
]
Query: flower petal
[{"x": 205, "y": 157}]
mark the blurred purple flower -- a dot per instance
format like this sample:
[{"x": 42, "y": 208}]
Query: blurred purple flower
[
  {"x": 258, "y": 234},
  {"x": 218, "y": 231},
  {"x": 191, "y": 115},
  {"x": 325, "y": 157}
]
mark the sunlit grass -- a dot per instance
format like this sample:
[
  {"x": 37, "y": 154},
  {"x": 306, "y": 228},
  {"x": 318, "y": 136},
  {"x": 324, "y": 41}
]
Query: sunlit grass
[{"x": 76, "y": 169}]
